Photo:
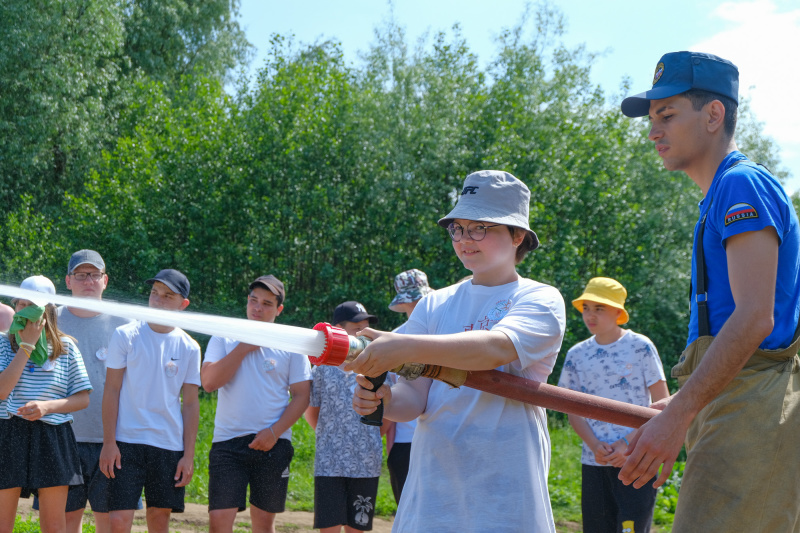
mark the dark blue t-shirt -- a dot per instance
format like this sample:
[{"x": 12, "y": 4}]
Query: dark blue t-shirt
[{"x": 742, "y": 198}]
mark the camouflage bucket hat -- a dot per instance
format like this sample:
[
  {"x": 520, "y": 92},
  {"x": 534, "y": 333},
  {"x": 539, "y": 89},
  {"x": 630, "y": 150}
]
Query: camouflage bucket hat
[{"x": 411, "y": 286}]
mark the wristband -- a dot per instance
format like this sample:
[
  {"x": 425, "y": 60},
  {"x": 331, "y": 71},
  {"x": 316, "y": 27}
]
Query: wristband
[
  {"x": 27, "y": 354},
  {"x": 273, "y": 434},
  {"x": 626, "y": 441},
  {"x": 29, "y": 345}
]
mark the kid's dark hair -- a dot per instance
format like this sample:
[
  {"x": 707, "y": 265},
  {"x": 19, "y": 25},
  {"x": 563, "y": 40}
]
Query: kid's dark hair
[
  {"x": 525, "y": 246},
  {"x": 700, "y": 98}
]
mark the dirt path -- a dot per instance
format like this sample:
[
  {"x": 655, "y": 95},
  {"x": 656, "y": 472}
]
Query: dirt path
[{"x": 195, "y": 519}]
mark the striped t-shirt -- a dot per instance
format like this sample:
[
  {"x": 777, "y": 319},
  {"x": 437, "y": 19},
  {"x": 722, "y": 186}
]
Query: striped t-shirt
[{"x": 54, "y": 380}]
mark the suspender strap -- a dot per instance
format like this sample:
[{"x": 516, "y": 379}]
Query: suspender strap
[{"x": 701, "y": 294}]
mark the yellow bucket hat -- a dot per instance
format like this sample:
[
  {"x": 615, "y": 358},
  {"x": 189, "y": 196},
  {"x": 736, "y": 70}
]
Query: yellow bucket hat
[{"x": 605, "y": 291}]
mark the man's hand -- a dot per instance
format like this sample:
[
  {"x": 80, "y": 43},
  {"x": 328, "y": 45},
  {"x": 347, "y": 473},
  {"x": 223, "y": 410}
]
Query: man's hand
[
  {"x": 184, "y": 472},
  {"x": 657, "y": 442},
  {"x": 109, "y": 459},
  {"x": 264, "y": 440}
]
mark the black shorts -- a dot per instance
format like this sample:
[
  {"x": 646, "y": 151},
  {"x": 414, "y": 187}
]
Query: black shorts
[
  {"x": 344, "y": 501},
  {"x": 91, "y": 490},
  {"x": 143, "y": 467},
  {"x": 232, "y": 466},
  {"x": 608, "y": 505},
  {"x": 36, "y": 455}
]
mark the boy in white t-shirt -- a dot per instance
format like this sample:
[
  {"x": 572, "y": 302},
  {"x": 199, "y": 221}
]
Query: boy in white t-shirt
[
  {"x": 621, "y": 365},
  {"x": 148, "y": 433},
  {"x": 262, "y": 393}
]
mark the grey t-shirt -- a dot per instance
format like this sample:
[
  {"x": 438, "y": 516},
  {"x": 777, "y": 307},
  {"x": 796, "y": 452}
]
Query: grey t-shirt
[{"x": 92, "y": 335}]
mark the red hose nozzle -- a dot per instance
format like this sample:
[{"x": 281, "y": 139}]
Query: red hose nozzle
[{"x": 337, "y": 345}]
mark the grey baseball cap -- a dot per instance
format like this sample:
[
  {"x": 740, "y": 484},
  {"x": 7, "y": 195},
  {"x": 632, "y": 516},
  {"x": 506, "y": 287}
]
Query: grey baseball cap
[
  {"x": 83, "y": 257},
  {"x": 494, "y": 196}
]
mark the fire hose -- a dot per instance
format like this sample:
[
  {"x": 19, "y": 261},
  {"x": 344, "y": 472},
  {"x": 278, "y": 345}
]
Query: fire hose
[
  {"x": 341, "y": 348},
  {"x": 333, "y": 346}
]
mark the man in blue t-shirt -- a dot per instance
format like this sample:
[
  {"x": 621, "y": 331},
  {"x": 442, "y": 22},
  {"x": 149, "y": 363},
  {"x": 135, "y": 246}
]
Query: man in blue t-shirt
[{"x": 736, "y": 410}]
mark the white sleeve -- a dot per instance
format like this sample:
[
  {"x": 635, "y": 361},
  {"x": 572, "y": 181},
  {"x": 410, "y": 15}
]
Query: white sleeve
[
  {"x": 216, "y": 349},
  {"x": 299, "y": 368},
  {"x": 193, "y": 373},
  {"x": 535, "y": 324},
  {"x": 652, "y": 368}
]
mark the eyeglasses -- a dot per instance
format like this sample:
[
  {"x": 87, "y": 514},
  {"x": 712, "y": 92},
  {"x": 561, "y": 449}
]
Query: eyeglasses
[
  {"x": 81, "y": 276},
  {"x": 475, "y": 231}
]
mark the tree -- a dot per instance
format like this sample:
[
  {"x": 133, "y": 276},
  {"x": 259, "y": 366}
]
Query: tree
[
  {"x": 168, "y": 39},
  {"x": 56, "y": 72}
]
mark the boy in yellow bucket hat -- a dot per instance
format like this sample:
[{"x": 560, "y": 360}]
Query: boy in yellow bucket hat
[{"x": 622, "y": 365}]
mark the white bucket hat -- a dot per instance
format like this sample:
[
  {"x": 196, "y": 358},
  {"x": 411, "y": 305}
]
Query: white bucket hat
[{"x": 494, "y": 196}]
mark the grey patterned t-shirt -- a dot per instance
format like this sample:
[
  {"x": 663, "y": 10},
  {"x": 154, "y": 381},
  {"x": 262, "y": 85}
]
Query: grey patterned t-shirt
[{"x": 345, "y": 446}]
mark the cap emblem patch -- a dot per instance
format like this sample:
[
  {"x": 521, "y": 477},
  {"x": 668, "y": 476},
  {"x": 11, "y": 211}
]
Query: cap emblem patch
[{"x": 659, "y": 72}]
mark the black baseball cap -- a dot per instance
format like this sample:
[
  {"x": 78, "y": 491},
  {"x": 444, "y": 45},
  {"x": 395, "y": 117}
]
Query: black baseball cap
[
  {"x": 352, "y": 312},
  {"x": 173, "y": 279},
  {"x": 677, "y": 72},
  {"x": 272, "y": 284}
]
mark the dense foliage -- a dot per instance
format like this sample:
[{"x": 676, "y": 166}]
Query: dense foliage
[{"x": 329, "y": 174}]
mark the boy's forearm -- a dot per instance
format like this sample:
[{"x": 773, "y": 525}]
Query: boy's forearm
[
  {"x": 190, "y": 413},
  {"x": 110, "y": 408}
]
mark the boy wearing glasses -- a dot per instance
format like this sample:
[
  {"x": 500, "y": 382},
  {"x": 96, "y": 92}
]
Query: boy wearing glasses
[
  {"x": 86, "y": 278},
  {"x": 151, "y": 411},
  {"x": 253, "y": 446}
]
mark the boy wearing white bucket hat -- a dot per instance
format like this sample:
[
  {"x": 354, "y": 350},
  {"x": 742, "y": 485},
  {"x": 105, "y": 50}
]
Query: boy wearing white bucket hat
[
  {"x": 470, "y": 447},
  {"x": 621, "y": 365}
]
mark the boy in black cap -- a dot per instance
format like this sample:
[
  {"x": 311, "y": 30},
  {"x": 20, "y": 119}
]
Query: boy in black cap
[
  {"x": 151, "y": 411},
  {"x": 347, "y": 463},
  {"x": 738, "y": 408},
  {"x": 253, "y": 446}
]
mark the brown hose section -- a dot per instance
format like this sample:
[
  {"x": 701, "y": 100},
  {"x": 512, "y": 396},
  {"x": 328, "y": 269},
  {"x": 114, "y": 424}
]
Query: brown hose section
[{"x": 544, "y": 395}]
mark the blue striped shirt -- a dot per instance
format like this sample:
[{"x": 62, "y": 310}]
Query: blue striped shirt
[{"x": 55, "y": 380}]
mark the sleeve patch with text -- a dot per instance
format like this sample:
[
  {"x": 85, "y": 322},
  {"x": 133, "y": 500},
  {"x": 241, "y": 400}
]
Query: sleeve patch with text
[{"x": 740, "y": 211}]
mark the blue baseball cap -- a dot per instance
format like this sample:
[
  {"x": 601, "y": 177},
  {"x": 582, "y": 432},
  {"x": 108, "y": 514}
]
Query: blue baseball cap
[
  {"x": 677, "y": 72},
  {"x": 173, "y": 279}
]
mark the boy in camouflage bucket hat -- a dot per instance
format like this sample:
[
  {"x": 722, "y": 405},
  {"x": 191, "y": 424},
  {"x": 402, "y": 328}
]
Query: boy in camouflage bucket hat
[{"x": 411, "y": 286}]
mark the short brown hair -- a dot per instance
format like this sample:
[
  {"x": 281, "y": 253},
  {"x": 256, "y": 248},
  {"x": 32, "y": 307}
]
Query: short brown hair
[{"x": 700, "y": 98}]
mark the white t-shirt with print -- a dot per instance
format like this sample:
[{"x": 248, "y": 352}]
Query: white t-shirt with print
[
  {"x": 258, "y": 393},
  {"x": 479, "y": 461},
  {"x": 156, "y": 367},
  {"x": 623, "y": 371}
]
